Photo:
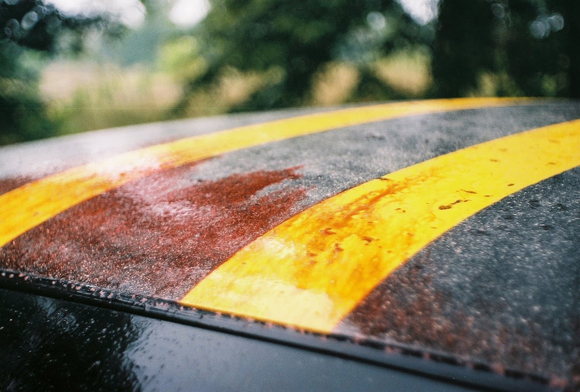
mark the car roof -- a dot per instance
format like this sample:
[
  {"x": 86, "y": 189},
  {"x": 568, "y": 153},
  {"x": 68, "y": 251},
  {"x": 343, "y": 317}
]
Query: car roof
[{"x": 445, "y": 230}]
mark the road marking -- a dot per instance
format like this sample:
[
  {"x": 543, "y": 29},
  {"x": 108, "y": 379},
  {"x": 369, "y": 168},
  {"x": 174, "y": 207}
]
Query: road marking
[
  {"x": 312, "y": 270},
  {"x": 34, "y": 203}
]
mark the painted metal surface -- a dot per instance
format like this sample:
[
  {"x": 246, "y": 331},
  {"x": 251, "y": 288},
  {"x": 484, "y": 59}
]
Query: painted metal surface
[
  {"x": 158, "y": 221},
  {"x": 333, "y": 254},
  {"x": 31, "y": 204},
  {"x": 46, "y": 348}
]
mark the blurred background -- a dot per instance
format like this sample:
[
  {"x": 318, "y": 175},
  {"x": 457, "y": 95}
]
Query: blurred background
[{"x": 69, "y": 66}]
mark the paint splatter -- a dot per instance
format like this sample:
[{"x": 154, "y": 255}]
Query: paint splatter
[
  {"x": 159, "y": 235},
  {"x": 408, "y": 308}
]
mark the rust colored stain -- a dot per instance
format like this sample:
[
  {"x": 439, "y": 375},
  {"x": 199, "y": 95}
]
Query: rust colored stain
[
  {"x": 407, "y": 308},
  {"x": 8, "y": 184},
  {"x": 159, "y": 235}
]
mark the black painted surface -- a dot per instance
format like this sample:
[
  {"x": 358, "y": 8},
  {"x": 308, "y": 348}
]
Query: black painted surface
[
  {"x": 512, "y": 268},
  {"x": 51, "y": 344},
  {"x": 502, "y": 287}
]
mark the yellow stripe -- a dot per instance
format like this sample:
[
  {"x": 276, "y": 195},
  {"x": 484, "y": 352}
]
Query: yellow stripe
[
  {"x": 30, "y": 205},
  {"x": 312, "y": 270}
]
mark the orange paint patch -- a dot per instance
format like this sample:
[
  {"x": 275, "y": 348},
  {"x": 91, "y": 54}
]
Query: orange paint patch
[{"x": 159, "y": 235}]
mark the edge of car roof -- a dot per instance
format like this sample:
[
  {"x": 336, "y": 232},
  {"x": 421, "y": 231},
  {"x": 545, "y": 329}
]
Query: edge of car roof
[{"x": 435, "y": 365}]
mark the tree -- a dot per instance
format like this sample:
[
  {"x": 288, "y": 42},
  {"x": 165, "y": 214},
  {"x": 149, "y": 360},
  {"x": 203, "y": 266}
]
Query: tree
[
  {"x": 530, "y": 47},
  {"x": 295, "y": 40}
]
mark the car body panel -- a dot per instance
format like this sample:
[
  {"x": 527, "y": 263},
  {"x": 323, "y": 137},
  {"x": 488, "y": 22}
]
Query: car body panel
[{"x": 493, "y": 288}]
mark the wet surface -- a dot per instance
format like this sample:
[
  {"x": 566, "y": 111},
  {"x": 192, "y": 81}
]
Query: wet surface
[
  {"x": 55, "y": 345},
  {"x": 159, "y": 235},
  {"x": 41, "y": 158},
  {"x": 502, "y": 287},
  {"x": 300, "y": 262},
  {"x": 338, "y": 160}
]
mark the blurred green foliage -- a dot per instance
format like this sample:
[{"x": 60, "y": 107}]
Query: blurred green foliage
[
  {"x": 293, "y": 41},
  {"x": 33, "y": 26},
  {"x": 265, "y": 54},
  {"x": 529, "y": 48},
  {"x": 22, "y": 114},
  {"x": 478, "y": 47}
]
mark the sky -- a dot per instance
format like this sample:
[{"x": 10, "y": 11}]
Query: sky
[
  {"x": 423, "y": 11},
  {"x": 184, "y": 13},
  {"x": 130, "y": 12},
  {"x": 187, "y": 13}
]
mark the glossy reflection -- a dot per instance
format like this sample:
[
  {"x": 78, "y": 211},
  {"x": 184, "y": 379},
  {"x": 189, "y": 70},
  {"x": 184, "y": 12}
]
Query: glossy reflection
[
  {"x": 49, "y": 344},
  {"x": 56, "y": 345}
]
